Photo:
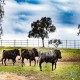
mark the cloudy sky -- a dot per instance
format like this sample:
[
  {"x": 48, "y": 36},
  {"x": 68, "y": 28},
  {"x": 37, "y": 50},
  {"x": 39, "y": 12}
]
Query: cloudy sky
[{"x": 19, "y": 14}]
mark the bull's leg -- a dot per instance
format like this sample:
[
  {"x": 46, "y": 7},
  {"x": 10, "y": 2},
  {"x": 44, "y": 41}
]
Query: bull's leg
[
  {"x": 13, "y": 61},
  {"x": 34, "y": 62},
  {"x": 55, "y": 65},
  {"x": 52, "y": 66},
  {"x": 40, "y": 66},
  {"x": 2, "y": 61},
  {"x": 30, "y": 61},
  {"x": 5, "y": 61},
  {"x": 22, "y": 61}
]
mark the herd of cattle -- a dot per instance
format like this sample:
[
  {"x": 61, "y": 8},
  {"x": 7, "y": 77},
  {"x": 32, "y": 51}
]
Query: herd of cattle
[{"x": 31, "y": 54}]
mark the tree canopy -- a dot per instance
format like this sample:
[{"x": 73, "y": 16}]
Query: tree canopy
[
  {"x": 41, "y": 28},
  {"x": 1, "y": 16}
]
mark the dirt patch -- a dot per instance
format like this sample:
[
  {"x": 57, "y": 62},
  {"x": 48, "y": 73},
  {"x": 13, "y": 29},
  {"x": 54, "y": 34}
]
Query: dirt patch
[
  {"x": 14, "y": 76},
  {"x": 39, "y": 77},
  {"x": 10, "y": 76}
]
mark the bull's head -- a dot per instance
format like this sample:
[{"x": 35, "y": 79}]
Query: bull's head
[
  {"x": 16, "y": 51},
  {"x": 35, "y": 51},
  {"x": 58, "y": 53}
]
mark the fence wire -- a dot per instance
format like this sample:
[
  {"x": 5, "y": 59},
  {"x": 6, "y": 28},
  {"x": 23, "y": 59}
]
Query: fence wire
[{"x": 75, "y": 44}]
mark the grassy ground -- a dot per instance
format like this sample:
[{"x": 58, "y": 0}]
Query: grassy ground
[
  {"x": 67, "y": 69},
  {"x": 64, "y": 71}
]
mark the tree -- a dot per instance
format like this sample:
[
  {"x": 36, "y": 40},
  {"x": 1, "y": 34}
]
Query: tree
[
  {"x": 41, "y": 28},
  {"x": 1, "y": 31},
  {"x": 1, "y": 10},
  {"x": 55, "y": 42},
  {"x": 1, "y": 16},
  {"x": 2, "y": 1},
  {"x": 79, "y": 29}
]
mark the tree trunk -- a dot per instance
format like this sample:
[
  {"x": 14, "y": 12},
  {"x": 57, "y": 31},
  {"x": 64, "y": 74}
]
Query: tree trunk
[{"x": 43, "y": 42}]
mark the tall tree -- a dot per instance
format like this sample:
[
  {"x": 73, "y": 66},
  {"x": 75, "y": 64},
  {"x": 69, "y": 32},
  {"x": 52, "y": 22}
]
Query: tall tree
[
  {"x": 41, "y": 28},
  {"x": 79, "y": 29},
  {"x": 1, "y": 15},
  {"x": 1, "y": 10}
]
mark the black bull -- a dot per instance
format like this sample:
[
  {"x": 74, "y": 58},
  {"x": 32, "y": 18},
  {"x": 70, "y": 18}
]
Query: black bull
[
  {"x": 28, "y": 54},
  {"x": 50, "y": 57},
  {"x": 10, "y": 54}
]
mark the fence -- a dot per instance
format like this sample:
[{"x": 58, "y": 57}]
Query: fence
[{"x": 38, "y": 43}]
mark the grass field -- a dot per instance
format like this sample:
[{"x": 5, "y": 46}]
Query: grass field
[
  {"x": 67, "y": 69},
  {"x": 64, "y": 71}
]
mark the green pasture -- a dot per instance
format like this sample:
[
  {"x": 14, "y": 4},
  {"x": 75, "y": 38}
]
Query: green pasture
[
  {"x": 68, "y": 68},
  {"x": 64, "y": 71}
]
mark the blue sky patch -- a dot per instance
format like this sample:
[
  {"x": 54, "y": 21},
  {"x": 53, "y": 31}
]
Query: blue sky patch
[
  {"x": 23, "y": 18},
  {"x": 20, "y": 1},
  {"x": 23, "y": 15},
  {"x": 17, "y": 30},
  {"x": 33, "y": 1},
  {"x": 28, "y": 1},
  {"x": 67, "y": 18}
]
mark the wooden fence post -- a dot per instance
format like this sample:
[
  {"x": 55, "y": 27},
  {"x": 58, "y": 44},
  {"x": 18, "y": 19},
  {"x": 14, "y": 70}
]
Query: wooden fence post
[
  {"x": 70, "y": 43},
  {"x": 66, "y": 43},
  {"x": 1, "y": 42}
]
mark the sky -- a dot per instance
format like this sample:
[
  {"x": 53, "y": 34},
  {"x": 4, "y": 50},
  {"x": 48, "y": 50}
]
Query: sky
[{"x": 19, "y": 14}]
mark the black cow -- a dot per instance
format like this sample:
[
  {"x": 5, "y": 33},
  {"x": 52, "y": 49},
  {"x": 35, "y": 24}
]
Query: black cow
[
  {"x": 10, "y": 54},
  {"x": 51, "y": 57},
  {"x": 35, "y": 51},
  {"x": 28, "y": 54}
]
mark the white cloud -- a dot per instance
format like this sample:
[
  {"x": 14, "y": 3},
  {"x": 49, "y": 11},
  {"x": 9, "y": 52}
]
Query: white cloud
[
  {"x": 63, "y": 1},
  {"x": 67, "y": 33},
  {"x": 60, "y": 33},
  {"x": 14, "y": 36},
  {"x": 12, "y": 21}
]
